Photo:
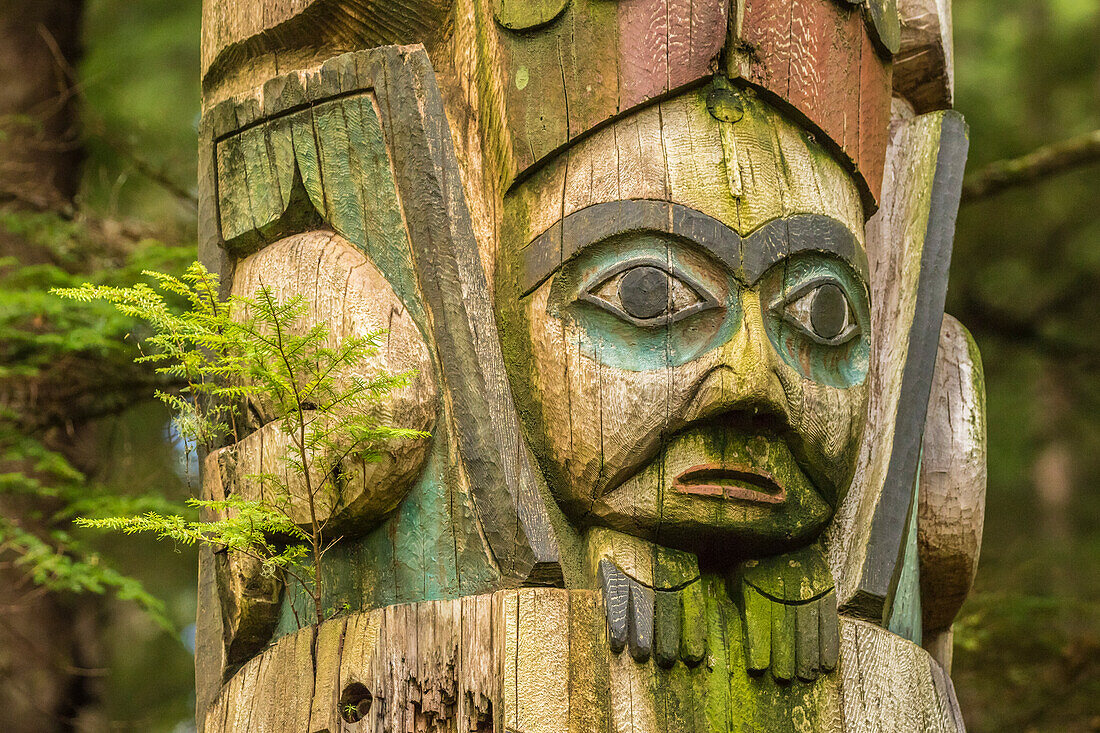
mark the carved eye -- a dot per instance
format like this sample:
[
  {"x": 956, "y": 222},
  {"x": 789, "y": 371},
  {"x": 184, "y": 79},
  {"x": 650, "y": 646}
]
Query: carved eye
[
  {"x": 646, "y": 293},
  {"x": 822, "y": 311}
]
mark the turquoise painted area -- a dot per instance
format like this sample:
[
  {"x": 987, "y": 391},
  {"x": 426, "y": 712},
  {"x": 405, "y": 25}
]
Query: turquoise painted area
[
  {"x": 843, "y": 365},
  {"x": 619, "y": 343},
  {"x": 903, "y": 616},
  {"x": 412, "y": 556},
  {"x": 424, "y": 566},
  {"x": 354, "y": 188}
]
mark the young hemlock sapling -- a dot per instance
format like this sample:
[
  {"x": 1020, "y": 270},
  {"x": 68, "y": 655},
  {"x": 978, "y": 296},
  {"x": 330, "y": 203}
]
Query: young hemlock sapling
[{"x": 240, "y": 351}]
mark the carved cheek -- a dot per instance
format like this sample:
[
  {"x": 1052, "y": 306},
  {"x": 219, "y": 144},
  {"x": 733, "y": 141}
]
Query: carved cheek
[
  {"x": 592, "y": 416},
  {"x": 548, "y": 382},
  {"x": 345, "y": 290},
  {"x": 829, "y": 421}
]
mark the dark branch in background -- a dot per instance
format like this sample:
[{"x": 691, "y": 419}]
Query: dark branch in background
[
  {"x": 1029, "y": 332},
  {"x": 1045, "y": 162},
  {"x": 158, "y": 176},
  {"x": 95, "y": 123}
]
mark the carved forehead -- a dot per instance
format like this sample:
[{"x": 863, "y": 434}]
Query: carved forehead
[{"x": 738, "y": 175}]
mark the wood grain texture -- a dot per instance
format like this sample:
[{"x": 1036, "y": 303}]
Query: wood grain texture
[
  {"x": 924, "y": 67},
  {"x": 342, "y": 288},
  {"x": 246, "y": 600},
  {"x": 535, "y": 660},
  {"x": 952, "y": 478},
  {"x": 909, "y": 244},
  {"x": 596, "y": 61},
  {"x": 245, "y": 41},
  {"x": 821, "y": 58},
  {"x": 209, "y": 643},
  {"x": 874, "y": 115},
  {"x": 890, "y": 684},
  {"x": 537, "y": 94},
  {"x": 441, "y": 266},
  {"x": 522, "y": 15},
  {"x": 883, "y": 24},
  {"x": 507, "y": 492}
]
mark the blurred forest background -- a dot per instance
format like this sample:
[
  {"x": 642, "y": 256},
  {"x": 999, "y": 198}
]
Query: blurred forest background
[{"x": 1025, "y": 279}]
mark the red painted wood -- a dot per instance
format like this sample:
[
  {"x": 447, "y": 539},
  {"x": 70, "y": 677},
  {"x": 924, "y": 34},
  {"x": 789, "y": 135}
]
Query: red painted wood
[
  {"x": 874, "y": 115},
  {"x": 817, "y": 55},
  {"x": 679, "y": 42},
  {"x": 843, "y": 59},
  {"x": 708, "y": 30},
  {"x": 643, "y": 50},
  {"x": 767, "y": 30},
  {"x": 812, "y": 24},
  {"x": 825, "y": 68}
]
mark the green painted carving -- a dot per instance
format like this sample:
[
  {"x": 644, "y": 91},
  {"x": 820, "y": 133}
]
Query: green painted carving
[
  {"x": 522, "y": 15},
  {"x": 903, "y": 615},
  {"x": 335, "y": 154}
]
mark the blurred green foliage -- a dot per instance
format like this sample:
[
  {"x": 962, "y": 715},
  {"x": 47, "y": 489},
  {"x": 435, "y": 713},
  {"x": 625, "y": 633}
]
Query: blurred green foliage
[
  {"x": 140, "y": 82},
  {"x": 1025, "y": 279}
]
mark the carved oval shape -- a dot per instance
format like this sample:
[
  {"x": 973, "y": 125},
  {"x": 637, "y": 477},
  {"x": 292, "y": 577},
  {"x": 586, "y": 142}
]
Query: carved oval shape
[
  {"x": 343, "y": 288},
  {"x": 522, "y": 15}
]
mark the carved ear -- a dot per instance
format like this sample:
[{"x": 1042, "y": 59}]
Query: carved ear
[{"x": 340, "y": 286}]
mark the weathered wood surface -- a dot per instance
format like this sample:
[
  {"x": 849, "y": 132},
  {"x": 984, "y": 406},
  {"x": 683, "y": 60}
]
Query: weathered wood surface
[
  {"x": 891, "y": 684},
  {"x": 247, "y": 601},
  {"x": 821, "y": 59},
  {"x": 602, "y": 420},
  {"x": 463, "y": 530},
  {"x": 909, "y": 246},
  {"x": 924, "y": 67},
  {"x": 556, "y": 70},
  {"x": 244, "y": 41},
  {"x": 625, "y": 244},
  {"x": 430, "y": 259},
  {"x": 537, "y": 661},
  {"x": 952, "y": 480}
]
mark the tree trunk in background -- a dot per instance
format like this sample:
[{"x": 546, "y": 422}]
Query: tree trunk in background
[
  {"x": 1054, "y": 465},
  {"x": 40, "y": 148},
  {"x": 47, "y": 642}
]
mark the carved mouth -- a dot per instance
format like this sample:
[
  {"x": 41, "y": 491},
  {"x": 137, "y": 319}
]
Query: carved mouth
[{"x": 730, "y": 481}]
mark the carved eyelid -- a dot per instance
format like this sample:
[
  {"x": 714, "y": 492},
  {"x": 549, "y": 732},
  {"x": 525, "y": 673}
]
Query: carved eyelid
[
  {"x": 706, "y": 298},
  {"x": 779, "y": 306}
]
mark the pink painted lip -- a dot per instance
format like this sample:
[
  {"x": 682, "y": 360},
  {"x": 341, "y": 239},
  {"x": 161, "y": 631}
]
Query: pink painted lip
[{"x": 730, "y": 481}]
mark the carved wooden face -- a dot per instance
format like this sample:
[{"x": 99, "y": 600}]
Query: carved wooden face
[{"x": 686, "y": 318}]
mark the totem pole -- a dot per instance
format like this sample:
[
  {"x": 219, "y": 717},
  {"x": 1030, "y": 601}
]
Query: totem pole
[{"x": 706, "y": 454}]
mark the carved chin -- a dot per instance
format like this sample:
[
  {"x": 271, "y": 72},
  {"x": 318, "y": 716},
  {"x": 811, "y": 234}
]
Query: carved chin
[{"x": 713, "y": 485}]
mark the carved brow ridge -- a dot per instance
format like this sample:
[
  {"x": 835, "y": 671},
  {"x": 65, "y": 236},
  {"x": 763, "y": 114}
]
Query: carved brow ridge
[{"x": 747, "y": 257}]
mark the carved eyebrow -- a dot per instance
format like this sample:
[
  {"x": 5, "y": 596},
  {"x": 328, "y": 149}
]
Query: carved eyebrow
[
  {"x": 791, "y": 235},
  {"x": 747, "y": 257}
]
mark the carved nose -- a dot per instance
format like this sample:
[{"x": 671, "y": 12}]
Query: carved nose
[{"x": 743, "y": 373}]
